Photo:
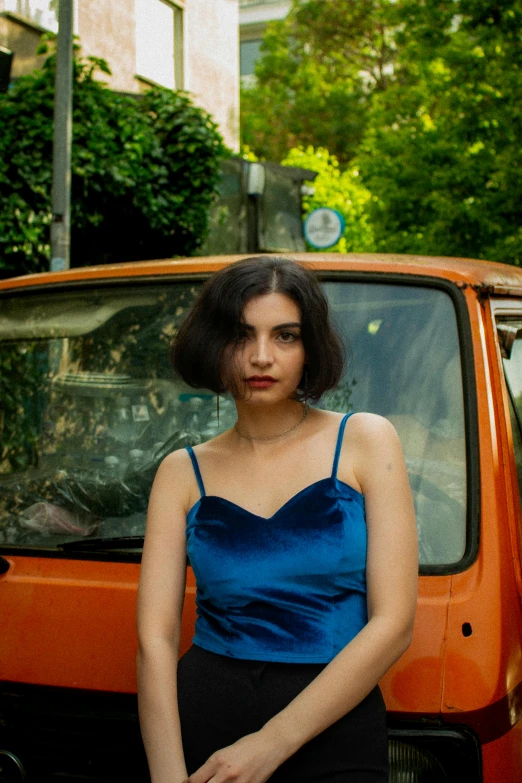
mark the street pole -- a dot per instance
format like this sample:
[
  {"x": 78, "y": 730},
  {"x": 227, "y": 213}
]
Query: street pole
[{"x": 62, "y": 137}]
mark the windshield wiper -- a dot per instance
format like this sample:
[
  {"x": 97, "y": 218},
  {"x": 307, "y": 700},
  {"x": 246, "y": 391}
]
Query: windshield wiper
[{"x": 101, "y": 544}]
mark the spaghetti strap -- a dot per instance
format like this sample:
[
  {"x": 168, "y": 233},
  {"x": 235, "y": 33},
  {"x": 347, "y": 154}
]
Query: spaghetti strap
[
  {"x": 196, "y": 470},
  {"x": 339, "y": 444}
]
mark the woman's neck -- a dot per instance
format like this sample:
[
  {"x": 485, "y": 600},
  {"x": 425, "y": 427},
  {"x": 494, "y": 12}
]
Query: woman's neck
[{"x": 265, "y": 422}]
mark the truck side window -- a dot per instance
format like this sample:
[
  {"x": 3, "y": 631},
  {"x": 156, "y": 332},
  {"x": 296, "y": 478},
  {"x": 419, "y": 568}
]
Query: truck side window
[
  {"x": 510, "y": 338},
  {"x": 517, "y": 444}
]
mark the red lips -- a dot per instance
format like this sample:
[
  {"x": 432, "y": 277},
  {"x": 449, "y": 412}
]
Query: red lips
[{"x": 260, "y": 381}]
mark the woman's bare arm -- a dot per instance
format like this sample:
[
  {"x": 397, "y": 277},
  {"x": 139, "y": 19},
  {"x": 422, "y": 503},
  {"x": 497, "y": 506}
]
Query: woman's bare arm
[
  {"x": 392, "y": 567},
  {"x": 160, "y": 603}
]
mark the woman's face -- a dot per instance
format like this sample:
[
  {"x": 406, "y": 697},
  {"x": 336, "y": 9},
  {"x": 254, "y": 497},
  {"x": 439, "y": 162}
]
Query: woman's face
[{"x": 268, "y": 359}]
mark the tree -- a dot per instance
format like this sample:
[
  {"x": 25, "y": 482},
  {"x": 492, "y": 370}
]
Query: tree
[
  {"x": 442, "y": 145},
  {"x": 422, "y": 97},
  {"x": 340, "y": 190},
  {"x": 319, "y": 69},
  {"x": 144, "y": 171}
]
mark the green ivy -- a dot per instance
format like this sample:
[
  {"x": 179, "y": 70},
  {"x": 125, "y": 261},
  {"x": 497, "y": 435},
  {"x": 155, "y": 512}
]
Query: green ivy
[{"x": 145, "y": 169}]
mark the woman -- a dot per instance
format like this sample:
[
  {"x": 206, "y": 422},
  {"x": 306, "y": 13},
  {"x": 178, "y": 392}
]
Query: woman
[{"x": 299, "y": 525}]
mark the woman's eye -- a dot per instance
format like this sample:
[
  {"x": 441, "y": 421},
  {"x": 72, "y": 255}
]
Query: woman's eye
[{"x": 288, "y": 337}]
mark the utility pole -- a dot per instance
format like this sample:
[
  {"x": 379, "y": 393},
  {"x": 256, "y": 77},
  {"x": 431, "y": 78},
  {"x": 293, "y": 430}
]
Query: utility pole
[{"x": 62, "y": 137}]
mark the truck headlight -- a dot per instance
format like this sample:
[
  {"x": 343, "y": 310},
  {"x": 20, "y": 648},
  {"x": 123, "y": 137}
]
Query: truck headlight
[
  {"x": 410, "y": 764},
  {"x": 434, "y": 752}
]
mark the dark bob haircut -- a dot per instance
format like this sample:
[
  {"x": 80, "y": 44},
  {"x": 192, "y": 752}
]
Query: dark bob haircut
[{"x": 214, "y": 323}]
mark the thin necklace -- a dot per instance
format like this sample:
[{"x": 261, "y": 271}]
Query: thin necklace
[{"x": 274, "y": 437}]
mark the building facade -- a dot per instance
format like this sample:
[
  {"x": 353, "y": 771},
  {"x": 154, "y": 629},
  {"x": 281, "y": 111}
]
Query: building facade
[
  {"x": 189, "y": 45},
  {"x": 254, "y": 15}
]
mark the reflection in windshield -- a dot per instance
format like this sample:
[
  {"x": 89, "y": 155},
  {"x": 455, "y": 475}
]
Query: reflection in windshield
[
  {"x": 405, "y": 365},
  {"x": 91, "y": 407}
]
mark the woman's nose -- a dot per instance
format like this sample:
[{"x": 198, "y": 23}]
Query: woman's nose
[{"x": 261, "y": 353}]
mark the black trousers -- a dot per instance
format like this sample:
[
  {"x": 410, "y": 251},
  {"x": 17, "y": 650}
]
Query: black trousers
[{"x": 222, "y": 699}]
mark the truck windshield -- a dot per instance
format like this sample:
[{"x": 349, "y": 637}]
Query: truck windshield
[{"x": 90, "y": 406}]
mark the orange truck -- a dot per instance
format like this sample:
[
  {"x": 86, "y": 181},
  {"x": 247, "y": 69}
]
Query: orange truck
[{"x": 89, "y": 407}]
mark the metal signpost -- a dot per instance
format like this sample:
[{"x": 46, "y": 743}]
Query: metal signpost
[{"x": 62, "y": 137}]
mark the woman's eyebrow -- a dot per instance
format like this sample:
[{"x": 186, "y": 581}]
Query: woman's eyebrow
[
  {"x": 276, "y": 328},
  {"x": 286, "y": 326}
]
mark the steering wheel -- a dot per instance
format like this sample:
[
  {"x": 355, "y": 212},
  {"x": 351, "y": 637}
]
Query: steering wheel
[{"x": 433, "y": 491}]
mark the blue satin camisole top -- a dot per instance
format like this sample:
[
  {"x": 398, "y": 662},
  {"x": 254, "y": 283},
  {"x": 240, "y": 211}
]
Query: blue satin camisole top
[{"x": 288, "y": 588}]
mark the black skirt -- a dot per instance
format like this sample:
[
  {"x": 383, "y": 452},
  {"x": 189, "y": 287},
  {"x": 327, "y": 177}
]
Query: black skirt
[{"x": 222, "y": 699}]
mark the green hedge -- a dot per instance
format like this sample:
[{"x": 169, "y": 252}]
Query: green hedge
[{"x": 144, "y": 172}]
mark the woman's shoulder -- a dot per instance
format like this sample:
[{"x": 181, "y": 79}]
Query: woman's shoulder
[
  {"x": 361, "y": 428},
  {"x": 371, "y": 432},
  {"x": 370, "y": 423},
  {"x": 361, "y": 421},
  {"x": 179, "y": 463},
  {"x": 175, "y": 470},
  {"x": 218, "y": 445},
  {"x": 173, "y": 482},
  {"x": 176, "y": 459}
]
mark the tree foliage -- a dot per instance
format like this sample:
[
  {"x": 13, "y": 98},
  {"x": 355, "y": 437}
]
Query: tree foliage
[
  {"x": 144, "y": 170},
  {"x": 340, "y": 190},
  {"x": 422, "y": 97},
  {"x": 442, "y": 147},
  {"x": 318, "y": 70}
]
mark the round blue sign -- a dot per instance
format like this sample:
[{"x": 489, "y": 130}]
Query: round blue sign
[{"x": 323, "y": 227}]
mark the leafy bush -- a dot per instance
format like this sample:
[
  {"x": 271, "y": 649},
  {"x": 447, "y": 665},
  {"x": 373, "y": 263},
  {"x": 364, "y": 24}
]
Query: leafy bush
[
  {"x": 340, "y": 190},
  {"x": 144, "y": 172}
]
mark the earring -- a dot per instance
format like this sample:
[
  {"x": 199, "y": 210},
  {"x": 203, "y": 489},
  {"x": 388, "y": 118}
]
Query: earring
[{"x": 217, "y": 407}]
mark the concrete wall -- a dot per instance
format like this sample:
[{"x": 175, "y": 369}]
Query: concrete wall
[
  {"x": 212, "y": 61},
  {"x": 107, "y": 28},
  {"x": 22, "y": 39}
]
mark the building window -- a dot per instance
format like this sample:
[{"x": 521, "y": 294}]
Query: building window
[
  {"x": 249, "y": 54},
  {"x": 41, "y": 12},
  {"x": 159, "y": 42}
]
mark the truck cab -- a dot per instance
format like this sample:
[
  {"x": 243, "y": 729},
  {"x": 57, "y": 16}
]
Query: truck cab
[{"x": 90, "y": 407}]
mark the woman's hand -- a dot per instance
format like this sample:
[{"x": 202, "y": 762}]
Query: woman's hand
[{"x": 252, "y": 759}]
